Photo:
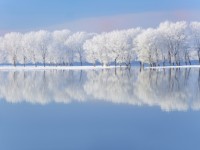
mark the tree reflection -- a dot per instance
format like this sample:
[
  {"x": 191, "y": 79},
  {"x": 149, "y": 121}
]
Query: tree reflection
[{"x": 169, "y": 89}]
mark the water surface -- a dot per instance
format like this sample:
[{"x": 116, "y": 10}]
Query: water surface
[{"x": 102, "y": 109}]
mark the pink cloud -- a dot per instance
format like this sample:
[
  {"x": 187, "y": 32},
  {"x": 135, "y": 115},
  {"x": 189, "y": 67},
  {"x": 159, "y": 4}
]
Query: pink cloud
[
  {"x": 124, "y": 21},
  {"x": 147, "y": 19}
]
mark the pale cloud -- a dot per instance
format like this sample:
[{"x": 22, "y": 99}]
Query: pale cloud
[
  {"x": 123, "y": 21},
  {"x": 147, "y": 19}
]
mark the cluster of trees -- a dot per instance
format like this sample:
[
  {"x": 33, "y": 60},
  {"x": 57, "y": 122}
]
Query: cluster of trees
[
  {"x": 43, "y": 47},
  {"x": 169, "y": 43}
]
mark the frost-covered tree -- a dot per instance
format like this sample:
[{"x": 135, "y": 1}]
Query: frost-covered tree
[
  {"x": 148, "y": 47},
  {"x": 3, "y": 53},
  {"x": 43, "y": 39},
  {"x": 24, "y": 53},
  {"x": 120, "y": 45},
  {"x": 91, "y": 56},
  {"x": 12, "y": 46},
  {"x": 75, "y": 44},
  {"x": 172, "y": 42},
  {"x": 116, "y": 46},
  {"x": 174, "y": 37},
  {"x": 32, "y": 47},
  {"x": 168, "y": 42},
  {"x": 195, "y": 34},
  {"x": 129, "y": 54},
  {"x": 58, "y": 49},
  {"x": 96, "y": 50}
]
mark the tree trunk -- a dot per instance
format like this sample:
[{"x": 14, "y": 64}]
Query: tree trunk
[
  {"x": 185, "y": 58},
  {"x": 140, "y": 64},
  {"x": 44, "y": 61},
  {"x": 81, "y": 60},
  {"x": 189, "y": 60},
  {"x": 35, "y": 61},
  {"x": 115, "y": 62},
  {"x": 199, "y": 55},
  {"x": 24, "y": 61},
  {"x": 169, "y": 57},
  {"x": 14, "y": 62},
  {"x": 163, "y": 63}
]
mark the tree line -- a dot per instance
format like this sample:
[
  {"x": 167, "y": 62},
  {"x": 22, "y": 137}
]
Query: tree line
[{"x": 170, "y": 43}]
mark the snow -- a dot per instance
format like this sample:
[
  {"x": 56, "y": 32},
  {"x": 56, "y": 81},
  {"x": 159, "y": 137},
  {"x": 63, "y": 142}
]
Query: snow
[
  {"x": 169, "y": 67},
  {"x": 7, "y": 68}
]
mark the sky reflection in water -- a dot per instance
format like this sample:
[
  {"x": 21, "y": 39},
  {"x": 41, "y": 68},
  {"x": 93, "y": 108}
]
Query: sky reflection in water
[
  {"x": 171, "y": 90},
  {"x": 105, "y": 109}
]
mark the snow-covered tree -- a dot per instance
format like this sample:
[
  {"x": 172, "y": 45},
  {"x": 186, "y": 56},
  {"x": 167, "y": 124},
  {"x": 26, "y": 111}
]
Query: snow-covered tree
[
  {"x": 174, "y": 37},
  {"x": 120, "y": 45},
  {"x": 96, "y": 50},
  {"x": 172, "y": 42},
  {"x": 91, "y": 56},
  {"x": 43, "y": 39},
  {"x": 3, "y": 53},
  {"x": 58, "y": 49},
  {"x": 116, "y": 46},
  {"x": 24, "y": 55},
  {"x": 30, "y": 40},
  {"x": 195, "y": 34},
  {"x": 75, "y": 44},
  {"x": 148, "y": 47},
  {"x": 12, "y": 46}
]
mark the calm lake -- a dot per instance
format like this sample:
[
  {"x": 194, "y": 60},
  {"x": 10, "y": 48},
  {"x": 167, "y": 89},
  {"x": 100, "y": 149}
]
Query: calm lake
[{"x": 100, "y": 109}]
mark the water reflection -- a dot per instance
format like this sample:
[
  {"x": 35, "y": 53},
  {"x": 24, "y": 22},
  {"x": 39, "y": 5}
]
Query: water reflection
[{"x": 171, "y": 89}]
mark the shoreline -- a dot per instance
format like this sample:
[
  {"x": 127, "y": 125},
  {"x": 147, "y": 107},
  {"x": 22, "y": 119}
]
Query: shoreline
[
  {"x": 172, "y": 67},
  {"x": 27, "y": 68}
]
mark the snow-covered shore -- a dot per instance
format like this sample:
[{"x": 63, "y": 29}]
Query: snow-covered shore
[
  {"x": 171, "y": 67},
  {"x": 27, "y": 68},
  {"x": 8, "y": 68}
]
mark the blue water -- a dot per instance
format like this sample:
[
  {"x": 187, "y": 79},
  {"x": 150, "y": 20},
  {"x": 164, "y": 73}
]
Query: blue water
[{"x": 96, "y": 122}]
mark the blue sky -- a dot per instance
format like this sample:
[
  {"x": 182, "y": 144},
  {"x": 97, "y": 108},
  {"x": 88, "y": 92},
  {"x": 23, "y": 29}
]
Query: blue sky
[{"x": 91, "y": 15}]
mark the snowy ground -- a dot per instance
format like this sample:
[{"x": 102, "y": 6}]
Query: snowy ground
[
  {"x": 26, "y": 68},
  {"x": 168, "y": 67},
  {"x": 7, "y": 68}
]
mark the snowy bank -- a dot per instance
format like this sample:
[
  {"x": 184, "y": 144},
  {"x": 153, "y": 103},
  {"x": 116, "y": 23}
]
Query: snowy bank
[
  {"x": 172, "y": 67},
  {"x": 7, "y": 68}
]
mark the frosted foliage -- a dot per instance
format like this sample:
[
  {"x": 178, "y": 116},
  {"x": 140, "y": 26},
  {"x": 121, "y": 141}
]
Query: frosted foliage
[
  {"x": 170, "y": 43},
  {"x": 147, "y": 46},
  {"x": 44, "y": 40},
  {"x": 195, "y": 35},
  {"x": 174, "y": 39},
  {"x": 3, "y": 53},
  {"x": 12, "y": 46},
  {"x": 96, "y": 50},
  {"x": 58, "y": 49},
  {"x": 30, "y": 42},
  {"x": 75, "y": 46},
  {"x": 116, "y": 46}
]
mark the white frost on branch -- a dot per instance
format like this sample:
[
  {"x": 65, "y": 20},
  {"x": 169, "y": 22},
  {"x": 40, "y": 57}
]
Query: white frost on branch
[{"x": 170, "y": 43}]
